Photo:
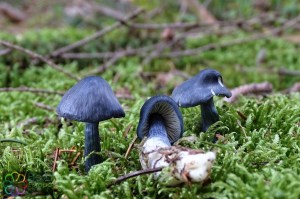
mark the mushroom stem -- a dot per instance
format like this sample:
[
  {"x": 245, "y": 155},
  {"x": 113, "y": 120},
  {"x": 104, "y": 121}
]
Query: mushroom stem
[
  {"x": 157, "y": 129},
  {"x": 91, "y": 144},
  {"x": 209, "y": 114}
]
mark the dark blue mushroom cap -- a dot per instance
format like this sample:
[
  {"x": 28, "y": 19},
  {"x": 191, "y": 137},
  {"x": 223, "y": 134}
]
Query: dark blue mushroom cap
[
  {"x": 90, "y": 100},
  {"x": 168, "y": 109},
  {"x": 200, "y": 88}
]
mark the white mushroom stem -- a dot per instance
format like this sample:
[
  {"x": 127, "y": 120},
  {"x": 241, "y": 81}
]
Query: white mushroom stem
[{"x": 181, "y": 164}]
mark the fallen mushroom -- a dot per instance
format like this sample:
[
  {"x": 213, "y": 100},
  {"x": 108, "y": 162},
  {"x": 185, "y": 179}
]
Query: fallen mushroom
[
  {"x": 199, "y": 90},
  {"x": 91, "y": 100},
  {"x": 159, "y": 127}
]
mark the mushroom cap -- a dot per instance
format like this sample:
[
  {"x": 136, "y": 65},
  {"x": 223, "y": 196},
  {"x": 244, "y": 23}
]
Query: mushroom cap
[
  {"x": 168, "y": 109},
  {"x": 90, "y": 100},
  {"x": 200, "y": 88}
]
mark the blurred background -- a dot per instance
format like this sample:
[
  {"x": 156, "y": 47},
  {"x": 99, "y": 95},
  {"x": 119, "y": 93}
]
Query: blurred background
[{"x": 247, "y": 41}]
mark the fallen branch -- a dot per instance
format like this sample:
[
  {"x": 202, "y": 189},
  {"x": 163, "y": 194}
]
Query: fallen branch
[
  {"x": 285, "y": 72},
  {"x": 13, "y": 14},
  {"x": 44, "y": 106},
  {"x": 259, "y": 88},
  {"x": 96, "y": 35},
  {"x": 294, "y": 88},
  {"x": 105, "y": 55},
  {"x": 38, "y": 56},
  {"x": 27, "y": 122},
  {"x": 5, "y": 51},
  {"x": 134, "y": 174},
  {"x": 130, "y": 147},
  {"x": 31, "y": 90}
]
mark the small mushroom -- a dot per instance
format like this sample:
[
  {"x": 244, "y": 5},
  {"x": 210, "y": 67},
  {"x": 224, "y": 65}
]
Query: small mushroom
[
  {"x": 199, "y": 90},
  {"x": 91, "y": 100}
]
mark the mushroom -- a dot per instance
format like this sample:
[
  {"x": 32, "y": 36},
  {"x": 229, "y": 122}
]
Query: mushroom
[
  {"x": 91, "y": 100},
  {"x": 199, "y": 90},
  {"x": 161, "y": 122},
  {"x": 159, "y": 127}
]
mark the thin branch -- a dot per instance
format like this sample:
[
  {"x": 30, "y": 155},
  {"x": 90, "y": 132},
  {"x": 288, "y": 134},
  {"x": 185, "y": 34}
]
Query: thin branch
[
  {"x": 259, "y": 88},
  {"x": 285, "y": 72},
  {"x": 292, "y": 89},
  {"x": 96, "y": 35},
  {"x": 31, "y": 90},
  {"x": 5, "y": 51},
  {"x": 44, "y": 106},
  {"x": 134, "y": 174},
  {"x": 27, "y": 122},
  {"x": 38, "y": 56},
  {"x": 130, "y": 147},
  {"x": 105, "y": 55}
]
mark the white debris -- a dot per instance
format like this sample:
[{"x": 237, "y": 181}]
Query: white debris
[{"x": 181, "y": 164}]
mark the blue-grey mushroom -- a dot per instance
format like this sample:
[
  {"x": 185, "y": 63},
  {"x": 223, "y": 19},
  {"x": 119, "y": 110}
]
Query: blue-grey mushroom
[
  {"x": 160, "y": 120},
  {"x": 199, "y": 90},
  {"x": 91, "y": 100}
]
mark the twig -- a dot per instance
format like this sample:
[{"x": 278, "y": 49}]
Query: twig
[
  {"x": 5, "y": 51},
  {"x": 27, "y": 122},
  {"x": 75, "y": 159},
  {"x": 31, "y": 90},
  {"x": 128, "y": 52},
  {"x": 212, "y": 46},
  {"x": 56, "y": 154},
  {"x": 134, "y": 174},
  {"x": 294, "y": 88},
  {"x": 106, "y": 64},
  {"x": 285, "y": 72},
  {"x": 44, "y": 106},
  {"x": 38, "y": 56},
  {"x": 95, "y": 35},
  {"x": 130, "y": 147},
  {"x": 249, "y": 89},
  {"x": 12, "y": 13}
]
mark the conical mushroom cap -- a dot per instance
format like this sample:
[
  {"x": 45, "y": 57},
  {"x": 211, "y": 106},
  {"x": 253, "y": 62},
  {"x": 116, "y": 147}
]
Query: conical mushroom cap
[
  {"x": 200, "y": 88},
  {"x": 90, "y": 100},
  {"x": 168, "y": 109}
]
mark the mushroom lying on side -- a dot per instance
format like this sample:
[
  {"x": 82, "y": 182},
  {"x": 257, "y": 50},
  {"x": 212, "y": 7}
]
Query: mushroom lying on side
[
  {"x": 159, "y": 127},
  {"x": 91, "y": 100},
  {"x": 199, "y": 90}
]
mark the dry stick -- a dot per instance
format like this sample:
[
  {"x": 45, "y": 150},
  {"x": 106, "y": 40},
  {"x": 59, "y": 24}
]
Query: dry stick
[
  {"x": 96, "y": 35},
  {"x": 75, "y": 158},
  {"x": 31, "y": 90},
  {"x": 44, "y": 106},
  {"x": 38, "y": 56},
  {"x": 285, "y": 72},
  {"x": 249, "y": 89},
  {"x": 27, "y": 122},
  {"x": 128, "y": 52},
  {"x": 134, "y": 174},
  {"x": 292, "y": 89},
  {"x": 5, "y": 51},
  {"x": 195, "y": 51},
  {"x": 55, "y": 159},
  {"x": 130, "y": 147},
  {"x": 106, "y": 64}
]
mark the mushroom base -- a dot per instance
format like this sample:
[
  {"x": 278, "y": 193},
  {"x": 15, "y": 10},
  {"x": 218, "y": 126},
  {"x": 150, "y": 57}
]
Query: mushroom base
[{"x": 181, "y": 165}]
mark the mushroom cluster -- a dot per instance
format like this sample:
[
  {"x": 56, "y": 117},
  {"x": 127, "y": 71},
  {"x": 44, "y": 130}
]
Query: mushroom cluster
[{"x": 92, "y": 100}]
